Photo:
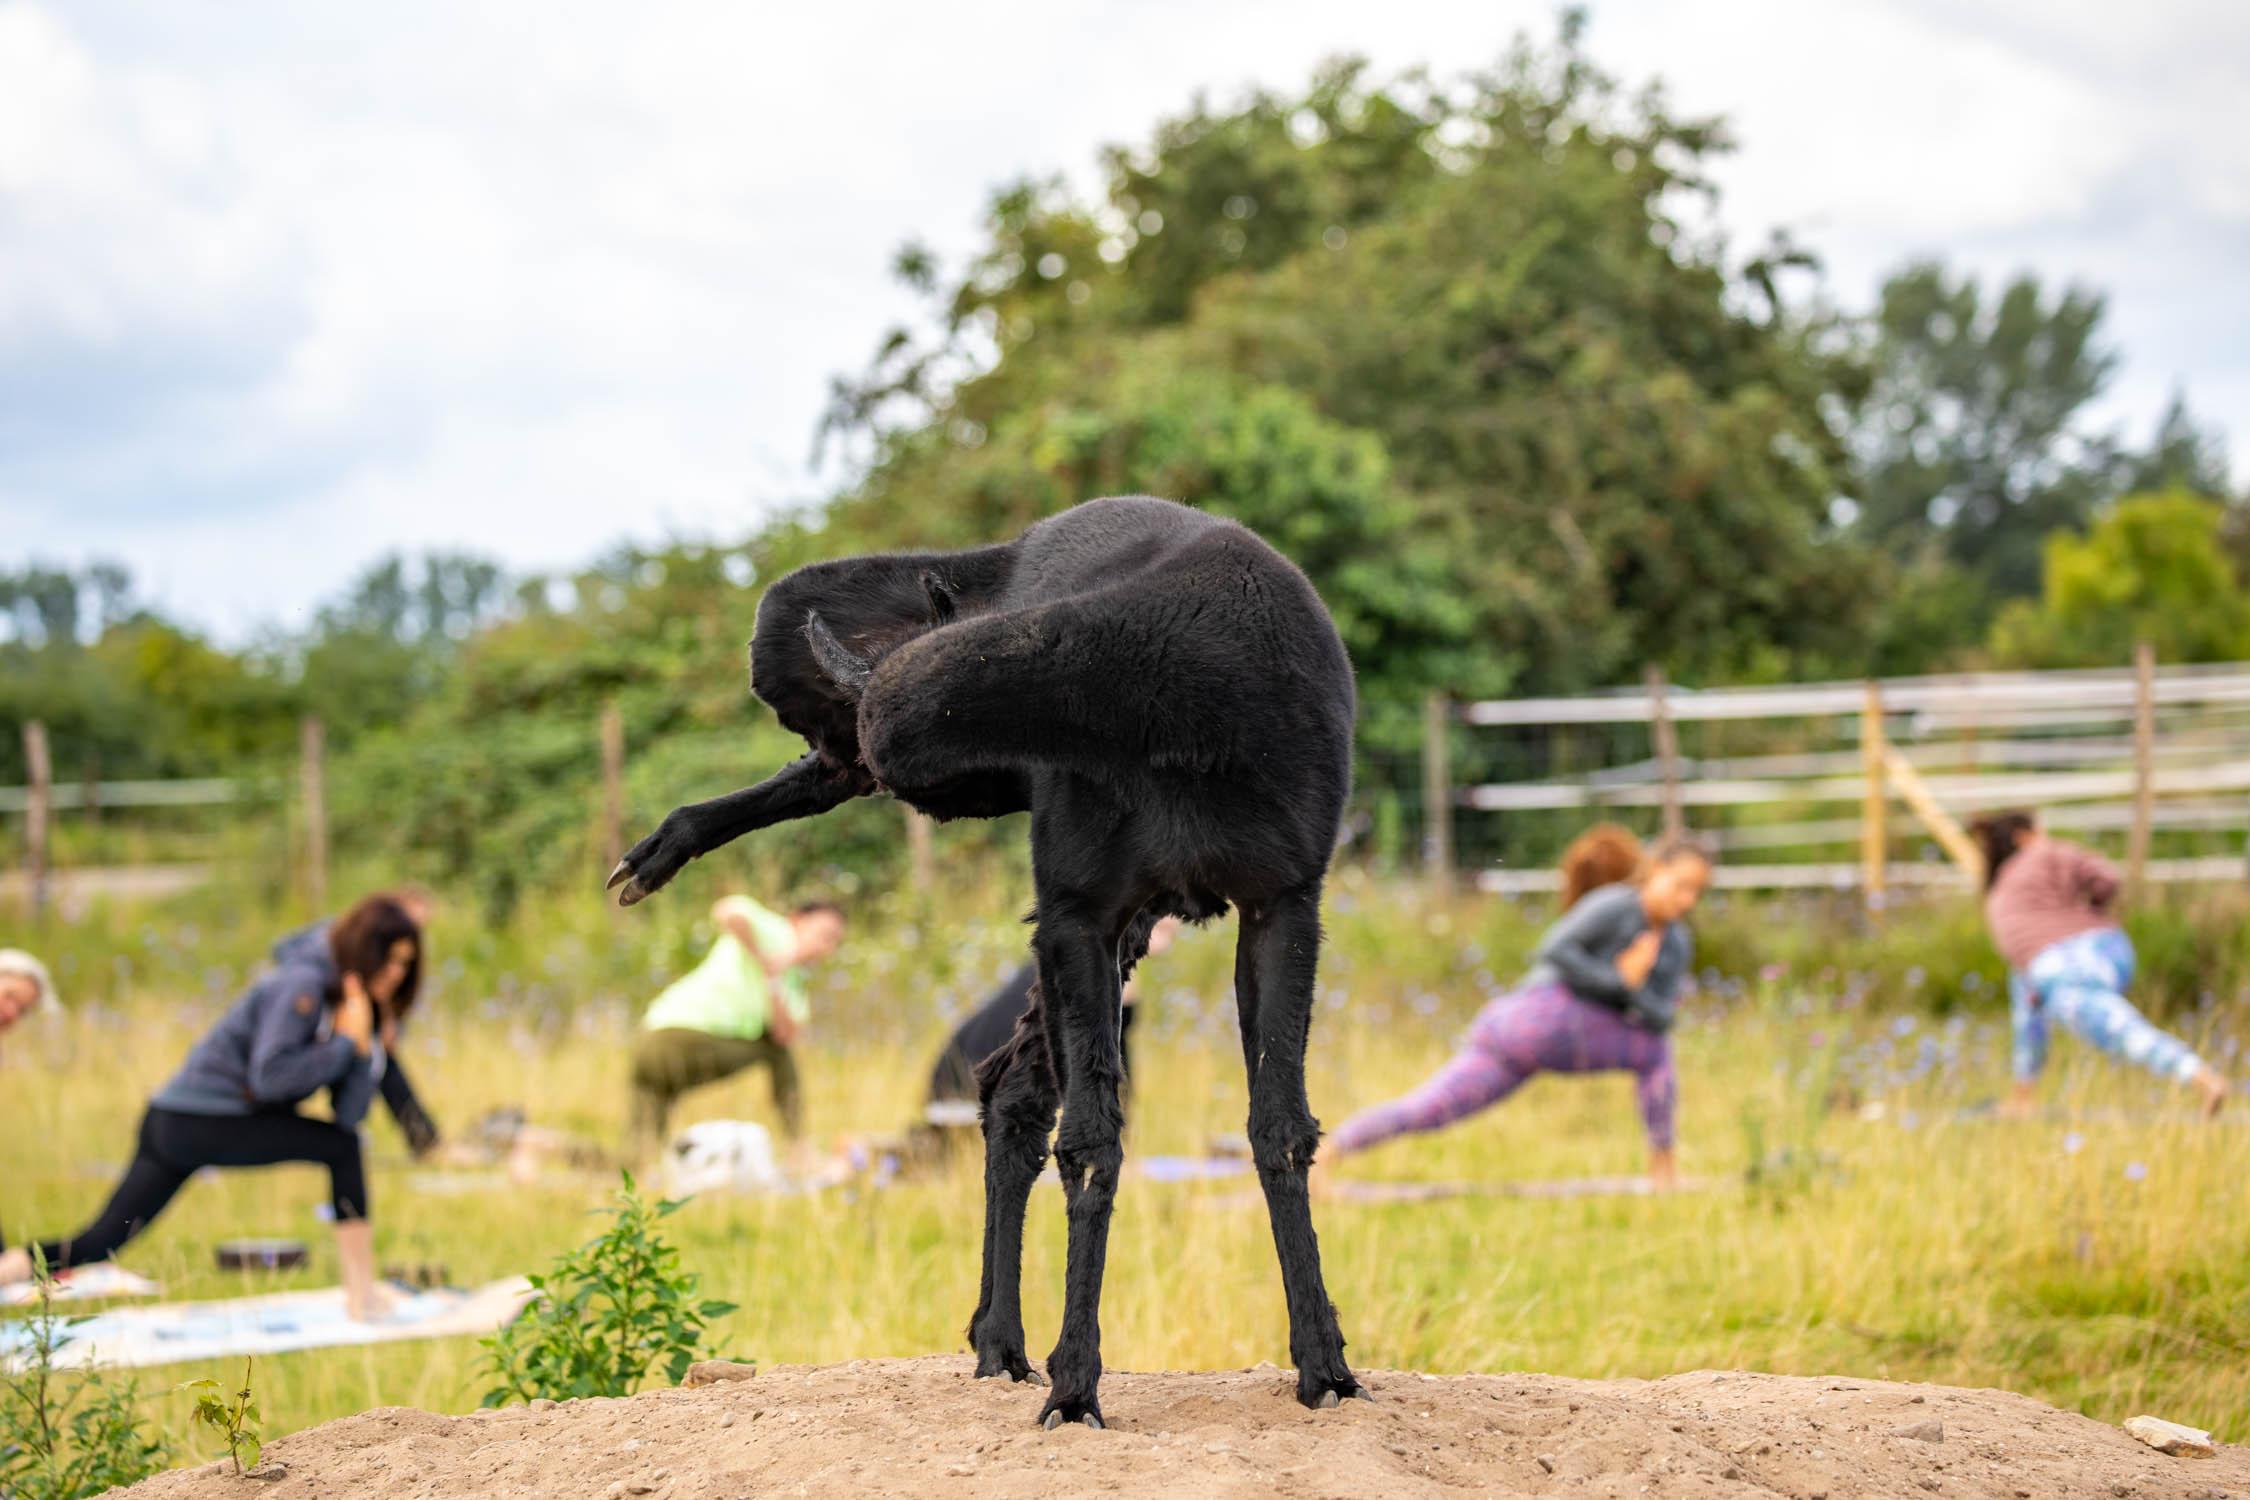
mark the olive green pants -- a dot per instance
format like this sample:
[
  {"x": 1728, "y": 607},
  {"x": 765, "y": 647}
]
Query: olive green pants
[{"x": 672, "y": 1061}]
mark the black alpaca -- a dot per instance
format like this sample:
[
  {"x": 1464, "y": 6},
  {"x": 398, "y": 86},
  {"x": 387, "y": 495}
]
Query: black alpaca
[{"x": 1167, "y": 697}]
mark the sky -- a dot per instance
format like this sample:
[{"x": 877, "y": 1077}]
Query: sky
[{"x": 288, "y": 284}]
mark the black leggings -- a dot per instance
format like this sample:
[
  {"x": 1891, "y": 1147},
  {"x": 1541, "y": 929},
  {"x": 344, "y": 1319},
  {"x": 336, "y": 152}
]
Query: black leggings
[{"x": 174, "y": 1147}]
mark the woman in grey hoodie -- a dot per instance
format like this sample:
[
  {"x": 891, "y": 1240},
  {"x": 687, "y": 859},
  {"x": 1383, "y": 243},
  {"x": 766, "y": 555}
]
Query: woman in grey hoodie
[{"x": 311, "y": 1024}]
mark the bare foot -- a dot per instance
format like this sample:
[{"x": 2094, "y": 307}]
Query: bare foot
[
  {"x": 2020, "y": 1103},
  {"x": 1663, "y": 1171},
  {"x": 2213, "y": 1087},
  {"x": 374, "y": 1305},
  {"x": 15, "y": 1265}
]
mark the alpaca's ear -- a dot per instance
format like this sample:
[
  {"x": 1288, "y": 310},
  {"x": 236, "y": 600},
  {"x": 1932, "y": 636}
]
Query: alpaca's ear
[
  {"x": 845, "y": 669},
  {"x": 942, "y": 608}
]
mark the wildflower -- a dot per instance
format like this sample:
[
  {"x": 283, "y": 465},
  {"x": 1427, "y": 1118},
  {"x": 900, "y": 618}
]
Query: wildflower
[{"x": 2073, "y": 1141}]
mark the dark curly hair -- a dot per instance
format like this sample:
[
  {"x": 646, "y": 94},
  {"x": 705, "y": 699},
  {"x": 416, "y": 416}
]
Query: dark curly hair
[
  {"x": 1996, "y": 834},
  {"x": 361, "y": 939}
]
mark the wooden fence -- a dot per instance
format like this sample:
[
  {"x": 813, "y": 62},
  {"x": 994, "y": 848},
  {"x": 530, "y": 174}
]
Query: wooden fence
[
  {"x": 39, "y": 801},
  {"x": 2142, "y": 749}
]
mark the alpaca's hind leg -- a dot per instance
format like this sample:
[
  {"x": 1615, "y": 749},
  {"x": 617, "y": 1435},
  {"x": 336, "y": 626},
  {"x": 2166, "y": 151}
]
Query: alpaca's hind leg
[
  {"x": 1078, "y": 971},
  {"x": 1017, "y": 1094},
  {"x": 1273, "y": 987}
]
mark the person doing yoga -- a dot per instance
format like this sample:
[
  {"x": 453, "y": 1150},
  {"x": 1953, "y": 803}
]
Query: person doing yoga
[
  {"x": 406, "y": 1107},
  {"x": 313, "y": 1023},
  {"x": 2048, "y": 902},
  {"x": 24, "y": 988},
  {"x": 1601, "y": 994},
  {"x": 744, "y": 1006}
]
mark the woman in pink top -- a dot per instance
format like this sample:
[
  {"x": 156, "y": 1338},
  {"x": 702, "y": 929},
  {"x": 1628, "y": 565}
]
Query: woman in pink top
[{"x": 2048, "y": 902}]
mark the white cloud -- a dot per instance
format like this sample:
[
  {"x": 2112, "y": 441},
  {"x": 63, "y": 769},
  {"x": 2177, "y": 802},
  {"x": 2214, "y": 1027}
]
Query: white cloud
[{"x": 284, "y": 285}]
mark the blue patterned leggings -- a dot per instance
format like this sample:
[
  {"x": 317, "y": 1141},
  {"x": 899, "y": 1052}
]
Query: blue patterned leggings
[{"x": 2079, "y": 984}]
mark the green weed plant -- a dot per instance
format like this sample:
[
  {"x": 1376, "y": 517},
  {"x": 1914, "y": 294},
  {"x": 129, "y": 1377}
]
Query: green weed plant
[
  {"x": 608, "y": 1312},
  {"x": 69, "y": 1434},
  {"x": 236, "y": 1420}
]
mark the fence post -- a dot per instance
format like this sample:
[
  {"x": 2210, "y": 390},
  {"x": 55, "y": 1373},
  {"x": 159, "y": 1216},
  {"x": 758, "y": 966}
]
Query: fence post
[
  {"x": 921, "y": 863},
  {"x": 312, "y": 740},
  {"x": 1667, "y": 752},
  {"x": 613, "y": 786},
  {"x": 1874, "y": 842},
  {"x": 2144, "y": 761},
  {"x": 1437, "y": 791},
  {"x": 38, "y": 806}
]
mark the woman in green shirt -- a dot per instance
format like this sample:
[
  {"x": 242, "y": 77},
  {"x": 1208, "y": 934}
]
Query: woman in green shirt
[{"x": 742, "y": 1007}]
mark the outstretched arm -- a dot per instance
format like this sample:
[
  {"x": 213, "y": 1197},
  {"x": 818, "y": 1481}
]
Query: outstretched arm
[{"x": 804, "y": 788}]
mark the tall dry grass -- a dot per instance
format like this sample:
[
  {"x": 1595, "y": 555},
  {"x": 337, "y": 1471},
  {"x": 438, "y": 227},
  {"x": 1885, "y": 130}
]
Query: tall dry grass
[{"x": 1863, "y": 1215}]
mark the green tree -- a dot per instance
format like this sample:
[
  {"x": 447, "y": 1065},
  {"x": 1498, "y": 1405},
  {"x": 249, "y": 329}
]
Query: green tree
[
  {"x": 2183, "y": 454},
  {"x": 123, "y": 691},
  {"x": 1598, "y": 445},
  {"x": 1972, "y": 439},
  {"x": 2154, "y": 568}
]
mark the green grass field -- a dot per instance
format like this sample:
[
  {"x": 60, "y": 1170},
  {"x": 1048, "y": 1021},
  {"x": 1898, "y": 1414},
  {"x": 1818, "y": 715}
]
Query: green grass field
[{"x": 1862, "y": 1217}]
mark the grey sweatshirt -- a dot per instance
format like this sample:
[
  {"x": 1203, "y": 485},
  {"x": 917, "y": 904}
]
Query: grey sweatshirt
[
  {"x": 311, "y": 941},
  {"x": 276, "y": 1048},
  {"x": 1580, "y": 952}
]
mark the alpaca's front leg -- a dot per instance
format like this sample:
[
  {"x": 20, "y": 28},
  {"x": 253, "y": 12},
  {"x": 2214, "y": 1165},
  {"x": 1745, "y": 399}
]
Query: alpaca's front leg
[
  {"x": 1078, "y": 971},
  {"x": 807, "y": 786}
]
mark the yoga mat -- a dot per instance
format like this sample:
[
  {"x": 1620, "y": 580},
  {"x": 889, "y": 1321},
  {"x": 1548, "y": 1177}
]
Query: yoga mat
[
  {"x": 1360, "y": 1190},
  {"x": 104, "y": 1279},
  {"x": 274, "y": 1324},
  {"x": 1561, "y": 1187},
  {"x": 1190, "y": 1168}
]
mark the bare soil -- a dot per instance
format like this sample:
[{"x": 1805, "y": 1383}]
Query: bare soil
[{"x": 925, "y": 1427}]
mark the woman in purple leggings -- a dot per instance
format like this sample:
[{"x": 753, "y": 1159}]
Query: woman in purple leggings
[{"x": 1600, "y": 997}]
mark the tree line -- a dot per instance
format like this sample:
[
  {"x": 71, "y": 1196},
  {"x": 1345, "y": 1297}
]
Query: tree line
[{"x": 1470, "y": 354}]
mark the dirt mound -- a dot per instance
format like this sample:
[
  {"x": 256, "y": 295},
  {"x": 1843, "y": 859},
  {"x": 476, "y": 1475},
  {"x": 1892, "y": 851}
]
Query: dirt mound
[{"x": 924, "y": 1427}]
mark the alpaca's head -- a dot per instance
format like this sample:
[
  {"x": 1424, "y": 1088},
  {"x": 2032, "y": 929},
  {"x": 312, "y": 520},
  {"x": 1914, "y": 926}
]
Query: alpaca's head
[
  {"x": 849, "y": 669},
  {"x": 823, "y": 629}
]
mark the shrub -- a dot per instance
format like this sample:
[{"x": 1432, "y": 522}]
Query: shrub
[
  {"x": 607, "y": 1313},
  {"x": 65, "y": 1435}
]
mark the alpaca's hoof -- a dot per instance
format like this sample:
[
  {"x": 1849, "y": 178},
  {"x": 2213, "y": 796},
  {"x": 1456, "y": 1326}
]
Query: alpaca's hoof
[
  {"x": 634, "y": 892},
  {"x": 1335, "y": 1396},
  {"x": 1055, "y": 1419},
  {"x": 1015, "y": 1371}
]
